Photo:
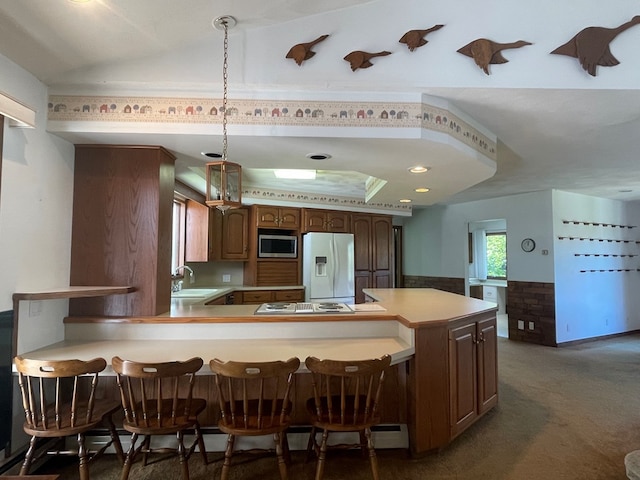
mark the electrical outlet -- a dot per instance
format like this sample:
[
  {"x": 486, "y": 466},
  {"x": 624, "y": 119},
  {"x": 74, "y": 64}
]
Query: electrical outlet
[
  {"x": 532, "y": 326},
  {"x": 226, "y": 278},
  {"x": 520, "y": 324}
]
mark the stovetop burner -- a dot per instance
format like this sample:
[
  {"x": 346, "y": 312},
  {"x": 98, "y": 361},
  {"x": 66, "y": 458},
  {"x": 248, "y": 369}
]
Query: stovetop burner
[{"x": 302, "y": 308}]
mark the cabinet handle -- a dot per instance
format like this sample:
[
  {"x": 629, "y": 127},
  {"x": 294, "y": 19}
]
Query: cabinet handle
[
  {"x": 474, "y": 339},
  {"x": 481, "y": 339}
]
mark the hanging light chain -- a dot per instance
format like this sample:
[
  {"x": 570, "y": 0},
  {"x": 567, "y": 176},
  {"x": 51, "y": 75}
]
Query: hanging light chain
[{"x": 225, "y": 79}]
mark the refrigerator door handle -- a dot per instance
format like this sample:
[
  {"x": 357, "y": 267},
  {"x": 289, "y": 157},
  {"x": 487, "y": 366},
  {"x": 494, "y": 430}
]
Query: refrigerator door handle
[{"x": 332, "y": 265}]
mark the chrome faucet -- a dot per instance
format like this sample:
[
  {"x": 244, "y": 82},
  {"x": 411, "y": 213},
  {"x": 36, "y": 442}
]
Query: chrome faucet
[{"x": 192, "y": 276}]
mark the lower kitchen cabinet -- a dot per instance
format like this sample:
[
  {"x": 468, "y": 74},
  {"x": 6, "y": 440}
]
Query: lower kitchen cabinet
[
  {"x": 263, "y": 296},
  {"x": 473, "y": 372},
  {"x": 454, "y": 372}
]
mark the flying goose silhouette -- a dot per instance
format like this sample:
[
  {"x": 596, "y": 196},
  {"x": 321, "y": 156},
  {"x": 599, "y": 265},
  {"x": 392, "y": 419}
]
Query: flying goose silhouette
[
  {"x": 485, "y": 52},
  {"x": 302, "y": 51},
  {"x": 591, "y": 46},
  {"x": 359, "y": 59},
  {"x": 413, "y": 38}
]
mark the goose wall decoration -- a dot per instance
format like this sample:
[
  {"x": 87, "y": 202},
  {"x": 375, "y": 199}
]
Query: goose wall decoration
[
  {"x": 359, "y": 59},
  {"x": 591, "y": 46},
  {"x": 485, "y": 52},
  {"x": 302, "y": 51},
  {"x": 414, "y": 38}
]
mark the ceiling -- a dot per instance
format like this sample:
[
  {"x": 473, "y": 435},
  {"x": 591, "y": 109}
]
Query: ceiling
[{"x": 548, "y": 138}]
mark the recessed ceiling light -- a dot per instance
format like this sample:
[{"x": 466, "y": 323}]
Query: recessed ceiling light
[
  {"x": 318, "y": 156},
  {"x": 405, "y": 200},
  {"x": 296, "y": 174},
  {"x": 418, "y": 169},
  {"x": 80, "y": 1},
  {"x": 422, "y": 190},
  {"x": 211, "y": 154},
  {"x": 625, "y": 191}
]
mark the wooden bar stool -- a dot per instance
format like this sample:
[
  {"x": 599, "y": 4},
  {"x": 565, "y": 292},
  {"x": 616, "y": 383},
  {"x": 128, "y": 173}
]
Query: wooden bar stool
[
  {"x": 59, "y": 399},
  {"x": 157, "y": 399},
  {"x": 346, "y": 397},
  {"x": 255, "y": 399}
]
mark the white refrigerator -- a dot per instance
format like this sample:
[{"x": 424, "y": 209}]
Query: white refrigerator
[{"x": 328, "y": 268}]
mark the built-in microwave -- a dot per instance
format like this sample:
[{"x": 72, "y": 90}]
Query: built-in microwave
[{"x": 277, "y": 246}]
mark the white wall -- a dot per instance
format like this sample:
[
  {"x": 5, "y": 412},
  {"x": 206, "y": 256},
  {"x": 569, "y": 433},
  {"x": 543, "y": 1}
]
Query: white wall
[
  {"x": 35, "y": 212},
  {"x": 436, "y": 237},
  {"x": 595, "y": 303},
  {"x": 588, "y": 304}
]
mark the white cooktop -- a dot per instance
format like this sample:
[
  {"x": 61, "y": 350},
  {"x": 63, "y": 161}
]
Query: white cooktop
[{"x": 285, "y": 308}]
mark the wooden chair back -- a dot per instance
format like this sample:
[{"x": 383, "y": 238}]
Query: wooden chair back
[
  {"x": 59, "y": 397},
  {"x": 157, "y": 397},
  {"x": 254, "y": 397},
  {"x": 346, "y": 394}
]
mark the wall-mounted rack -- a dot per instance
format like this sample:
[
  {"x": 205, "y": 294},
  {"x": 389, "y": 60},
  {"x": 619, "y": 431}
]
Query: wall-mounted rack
[
  {"x": 590, "y": 239},
  {"x": 606, "y": 270},
  {"x": 597, "y": 224},
  {"x": 614, "y": 255}
]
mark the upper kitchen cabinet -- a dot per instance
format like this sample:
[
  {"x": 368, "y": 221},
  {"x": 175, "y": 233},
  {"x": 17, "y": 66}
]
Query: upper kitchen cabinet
[
  {"x": 212, "y": 235},
  {"x": 121, "y": 228},
  {"x": 315, "y": 220},
  {"x": 373, "y": 252},
  {"x": 197, "y": 239},
  {"x": 277, "y": 217},
  {"x": 230, "y": 233}
]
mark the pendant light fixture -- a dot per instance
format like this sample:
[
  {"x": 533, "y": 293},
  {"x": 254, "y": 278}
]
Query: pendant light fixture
[{"x": 224, "y": 179}]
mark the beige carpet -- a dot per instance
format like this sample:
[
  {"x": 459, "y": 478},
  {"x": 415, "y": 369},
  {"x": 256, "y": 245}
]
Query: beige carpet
[{"x": 566, "y": 413}]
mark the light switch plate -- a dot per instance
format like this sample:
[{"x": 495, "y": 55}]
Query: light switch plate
[{"x": 226, "y": 278}]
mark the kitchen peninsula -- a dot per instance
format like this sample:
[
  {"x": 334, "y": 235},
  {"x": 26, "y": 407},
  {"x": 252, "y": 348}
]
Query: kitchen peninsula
[{"x": 443, "y": 347}]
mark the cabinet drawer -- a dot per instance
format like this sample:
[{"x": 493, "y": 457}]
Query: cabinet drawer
[
  {"x": 258, "y": 296},
  {"x": 289, "y": 295}
]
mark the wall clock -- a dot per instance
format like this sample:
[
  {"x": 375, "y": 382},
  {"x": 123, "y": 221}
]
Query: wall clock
[{"x": 528, "y": 245}]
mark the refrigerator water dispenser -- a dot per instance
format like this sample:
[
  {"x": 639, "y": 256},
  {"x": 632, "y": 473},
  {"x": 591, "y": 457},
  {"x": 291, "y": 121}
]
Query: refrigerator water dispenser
[{"x": 321, "y": 266}]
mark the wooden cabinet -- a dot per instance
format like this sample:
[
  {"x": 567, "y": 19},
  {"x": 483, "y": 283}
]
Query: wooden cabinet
[
  {"x": 248, "y": 297},
  {"x": 315, "y": 220},
  {"x": 212, "y": 235},
  {"x": 197, "y": 239},
  {"x": 230, "y": 233},
  {"x": 277, "y": 217},
  {"x": 121, "y": 228},
  {"x": 454, "y": 374},
  {"x": 373, "y": 252},
  {"x": 473, "y": 372}
]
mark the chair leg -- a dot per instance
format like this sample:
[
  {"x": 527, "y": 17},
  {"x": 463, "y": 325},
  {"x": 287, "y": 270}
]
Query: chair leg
[
  {"x": 322, "y": 456},
  {"x": 115, "y": 439},
  {"x": 83, "y": 456},
  {"x": 146, "y": 446},
  {"x": 227, "y": 457},
  {"x": 311, "y": 445},
  {"x": 278, "y": 439},
  {"x": 363, "y": 443},
  {"x": 285, "y": 448},
  {"x": 182, "y": 456},
  {"x": 128, "y": 460},
  {"x": 373, "y": 460},
  {"x": 201, "y": 447},
  {"x": 26, "y": 465}
]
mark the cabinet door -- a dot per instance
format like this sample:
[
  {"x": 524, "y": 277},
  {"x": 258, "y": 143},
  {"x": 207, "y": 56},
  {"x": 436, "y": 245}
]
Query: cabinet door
[
  {"x": 362, "y": 280},
  {"x": 196, "y": 242},
  {"x": 463, "y": 377},
  {"x": 313, "y": 220},
  {"x": 487, "y": 365},
  {"x": 289, "y": 218},
  {"x": 382, "y": 248},
  {"x": 362, "y": 242},
  {"x": 235, "y": 234},
  {"x": 267, "y": 216},
  {"x": 338, "y": 222}
]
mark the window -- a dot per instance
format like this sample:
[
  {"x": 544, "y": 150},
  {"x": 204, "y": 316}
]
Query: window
[
  {"x": 497, "y": 255},
  {"x": 178, "y": 234}
]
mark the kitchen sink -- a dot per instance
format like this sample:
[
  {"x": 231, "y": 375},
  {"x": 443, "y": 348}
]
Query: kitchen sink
[{"x": 196, "y": 292}]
